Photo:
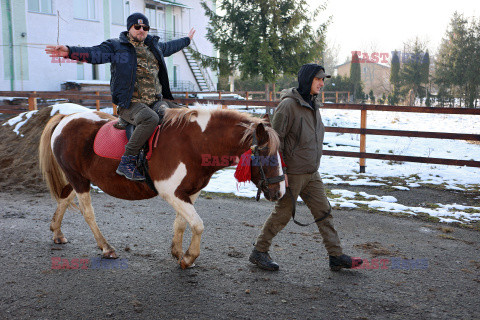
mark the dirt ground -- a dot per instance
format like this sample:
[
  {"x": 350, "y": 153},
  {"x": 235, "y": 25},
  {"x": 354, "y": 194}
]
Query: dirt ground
[
  {"x": 148, "y": 284},
  {"x": 430, "y": 270}
]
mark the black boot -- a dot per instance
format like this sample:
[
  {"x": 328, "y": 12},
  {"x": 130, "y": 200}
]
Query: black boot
[
  {"x": 344, "y": 261},
  {"x": 263, "y": 260},
  {"x": 128, "y": 168}
]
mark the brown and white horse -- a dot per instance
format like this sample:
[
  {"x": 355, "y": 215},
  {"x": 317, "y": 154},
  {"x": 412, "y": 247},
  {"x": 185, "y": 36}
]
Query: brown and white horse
[{"x": 70, "y": 165}]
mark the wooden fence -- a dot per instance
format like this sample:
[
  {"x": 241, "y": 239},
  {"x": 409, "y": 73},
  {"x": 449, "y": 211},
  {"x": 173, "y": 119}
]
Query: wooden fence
[{"x": 363, "y": 131}]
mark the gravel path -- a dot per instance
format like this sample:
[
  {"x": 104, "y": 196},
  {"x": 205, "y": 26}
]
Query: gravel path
[{"x": 148, "y": 284}]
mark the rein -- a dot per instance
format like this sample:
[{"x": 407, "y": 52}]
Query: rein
[
  {"x": 294, "y": 209},
  {"x": 264, "y": 181}
]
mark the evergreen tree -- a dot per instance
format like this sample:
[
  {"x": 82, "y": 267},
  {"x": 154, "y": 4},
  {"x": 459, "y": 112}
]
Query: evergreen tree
[
  {"x": 395, "y": 78},
  {"x": 371, "y": 97},
  {"x": 412, "y": 72},
  {"x": 457, "y": 67},
  {"x": 264, "y": 37},
  {"x": 356, "y": 77}
]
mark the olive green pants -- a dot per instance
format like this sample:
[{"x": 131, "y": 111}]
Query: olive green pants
[
  {"x": 145, "y": 120},
  {"x": 311, "y": 190}
]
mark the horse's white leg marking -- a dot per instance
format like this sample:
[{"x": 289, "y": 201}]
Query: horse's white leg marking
[
  {"x": 57, "y": 218},
  {"x": 202, "y": 119},
  {"x": 85, "y": 202},
  {"x": 280, "y": 172},
  {"x": 166, "y": 189},
  {"x": 83, "y": 115},
  {"x": 179, "y": 226}
]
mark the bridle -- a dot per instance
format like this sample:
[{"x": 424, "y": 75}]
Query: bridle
[{"x": 264, "y": 181}]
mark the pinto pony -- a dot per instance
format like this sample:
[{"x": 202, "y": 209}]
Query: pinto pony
[{"x": 70, "y": 165}]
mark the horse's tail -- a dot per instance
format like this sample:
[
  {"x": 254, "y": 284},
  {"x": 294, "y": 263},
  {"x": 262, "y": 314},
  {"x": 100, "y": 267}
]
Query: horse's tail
[{"x": 57, "y": 183}]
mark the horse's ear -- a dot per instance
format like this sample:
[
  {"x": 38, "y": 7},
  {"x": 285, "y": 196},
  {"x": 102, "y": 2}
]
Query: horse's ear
[
  {"x": 261, "y": 133},
  {"x": 266, "y": 117}
]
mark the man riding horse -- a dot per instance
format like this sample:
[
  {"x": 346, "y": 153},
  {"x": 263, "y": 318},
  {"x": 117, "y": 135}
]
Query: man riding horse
[{"x": 139, "y": 80}]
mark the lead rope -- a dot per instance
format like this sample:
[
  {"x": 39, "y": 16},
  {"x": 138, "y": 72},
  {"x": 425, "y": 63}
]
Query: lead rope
[{"x": 294, "y": 203}]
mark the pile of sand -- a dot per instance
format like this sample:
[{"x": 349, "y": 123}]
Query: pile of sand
[{"x": 19, "y": 168}]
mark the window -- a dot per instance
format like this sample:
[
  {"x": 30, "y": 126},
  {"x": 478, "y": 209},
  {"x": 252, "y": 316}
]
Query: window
[
  {"x": 95, "y": 72},
  {"x": 42, "y": 6},
  {"x": 175, "y": 75},
  {"x": 152, "y": 17},
  {"x": 80, "y": 71},
  {"x": 175, "y": 24},
  {"x": 161, "y": 19},
  {"x": 120, "y": 11},
  {"x": 84, "y": 9}
]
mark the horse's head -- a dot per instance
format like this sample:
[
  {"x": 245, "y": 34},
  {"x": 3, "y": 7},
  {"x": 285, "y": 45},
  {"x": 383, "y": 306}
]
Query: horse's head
[{"x": 266, "y": 165}]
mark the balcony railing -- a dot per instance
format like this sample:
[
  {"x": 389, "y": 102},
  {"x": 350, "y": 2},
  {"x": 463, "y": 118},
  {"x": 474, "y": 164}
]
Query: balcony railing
[
  {"x": 167, "y": 35},
  {"x": 182, "y": 85}
]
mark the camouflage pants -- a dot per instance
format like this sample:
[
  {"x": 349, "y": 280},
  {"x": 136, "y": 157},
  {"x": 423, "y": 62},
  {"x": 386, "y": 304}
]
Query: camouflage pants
[
  {"x": 145, "y": 120},
  {"x": 311, "y": 190}
]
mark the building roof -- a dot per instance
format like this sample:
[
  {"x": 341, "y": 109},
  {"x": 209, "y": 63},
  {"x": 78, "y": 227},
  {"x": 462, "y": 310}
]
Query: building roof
[
  {"x": 348, "y": 62},
  {"x": 172, "y": 3}
]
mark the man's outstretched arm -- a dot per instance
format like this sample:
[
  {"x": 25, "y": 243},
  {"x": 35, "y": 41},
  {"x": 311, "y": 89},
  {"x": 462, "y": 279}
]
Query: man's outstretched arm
[
  {"x": 171, "y": 47},
  {"x": 103, "y": 53}
]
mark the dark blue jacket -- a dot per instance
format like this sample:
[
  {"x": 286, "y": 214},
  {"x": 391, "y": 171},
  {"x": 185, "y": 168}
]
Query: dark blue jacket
[{"x": 123, "y": 57}]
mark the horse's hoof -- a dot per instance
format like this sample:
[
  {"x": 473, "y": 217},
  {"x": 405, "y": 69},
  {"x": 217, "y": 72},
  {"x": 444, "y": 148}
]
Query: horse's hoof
[
  {"x": 177, "y": 255},
  {"x": 185, "y": 265},
  {"x": 109, "y": 255},
  {"x": 60, "y": 240}
]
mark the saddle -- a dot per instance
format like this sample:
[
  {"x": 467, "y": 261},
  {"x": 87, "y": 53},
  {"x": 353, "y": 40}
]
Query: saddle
[{"x": 110, "y": 142}]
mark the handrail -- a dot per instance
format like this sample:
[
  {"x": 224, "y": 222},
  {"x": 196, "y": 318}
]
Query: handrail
[{"x": 206, "y": 74}]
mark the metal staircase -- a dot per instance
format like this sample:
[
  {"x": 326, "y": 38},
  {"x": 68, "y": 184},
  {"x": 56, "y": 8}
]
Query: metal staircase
[{"x": 201, "y": 75}]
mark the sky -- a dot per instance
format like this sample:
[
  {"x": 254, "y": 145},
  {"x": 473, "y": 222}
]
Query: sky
[{"x": 383, "y": 26}]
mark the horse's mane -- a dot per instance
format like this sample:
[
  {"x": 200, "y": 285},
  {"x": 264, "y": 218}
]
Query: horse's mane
[{"x": 182, "y": 116}]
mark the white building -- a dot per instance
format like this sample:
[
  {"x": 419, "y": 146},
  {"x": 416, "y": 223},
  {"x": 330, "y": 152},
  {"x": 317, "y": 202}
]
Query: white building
[{"x": 29, "y": 25}]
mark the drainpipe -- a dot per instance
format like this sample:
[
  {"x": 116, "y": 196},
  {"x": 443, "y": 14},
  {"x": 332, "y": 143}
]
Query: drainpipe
[{"x": 10, "y": 35}]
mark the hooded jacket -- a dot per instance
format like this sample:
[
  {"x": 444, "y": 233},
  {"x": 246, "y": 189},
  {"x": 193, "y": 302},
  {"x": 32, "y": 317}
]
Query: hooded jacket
[
  {"x": 123, "y": 58},
  {"x": 299, "y": 125}
]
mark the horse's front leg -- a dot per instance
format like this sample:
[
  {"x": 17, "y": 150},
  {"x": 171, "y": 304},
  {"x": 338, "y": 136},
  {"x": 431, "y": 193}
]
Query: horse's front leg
[
  {"x": 179, "y": 226},
  {"x": 187, "y": 211},
  {"x": 85, "y": 202}
]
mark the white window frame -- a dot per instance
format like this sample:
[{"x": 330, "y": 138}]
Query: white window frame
[
  {"x": 126, "y": 13},
  {"x": 80, "y": 71},
  {"x": 40, "y": 8},
  {"x": 161, "y": 19},
  {"x": 89, "y": 10}
]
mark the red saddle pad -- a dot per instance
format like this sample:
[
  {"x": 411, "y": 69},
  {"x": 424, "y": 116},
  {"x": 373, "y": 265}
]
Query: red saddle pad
[{"x": 110, "y": 142}]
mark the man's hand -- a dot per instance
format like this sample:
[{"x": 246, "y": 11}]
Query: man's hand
[
  {"x": 191, "y": 33},
  {"x": 57, "y": 51}
]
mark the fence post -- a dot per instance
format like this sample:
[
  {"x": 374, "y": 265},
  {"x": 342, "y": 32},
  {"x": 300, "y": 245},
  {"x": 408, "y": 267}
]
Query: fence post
[
  {"x": 114, "y": 109},
  {"x": 220, "y": 98},
  {"x": 246, "y": 98},
  {"x": 336, "y": 96},
  {"x": 363, "y": 137},
  {"x": 97, "y": 102},
  {"x": 186, "y": 97},
  {"x": 32, "y": 102},
  {"x": 323, "y": 97}
]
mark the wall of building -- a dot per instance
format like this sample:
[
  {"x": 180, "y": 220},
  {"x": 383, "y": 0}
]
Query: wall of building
[
  {"x": 34, "y": 70},
  {"x": 374, "y": 76}
]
